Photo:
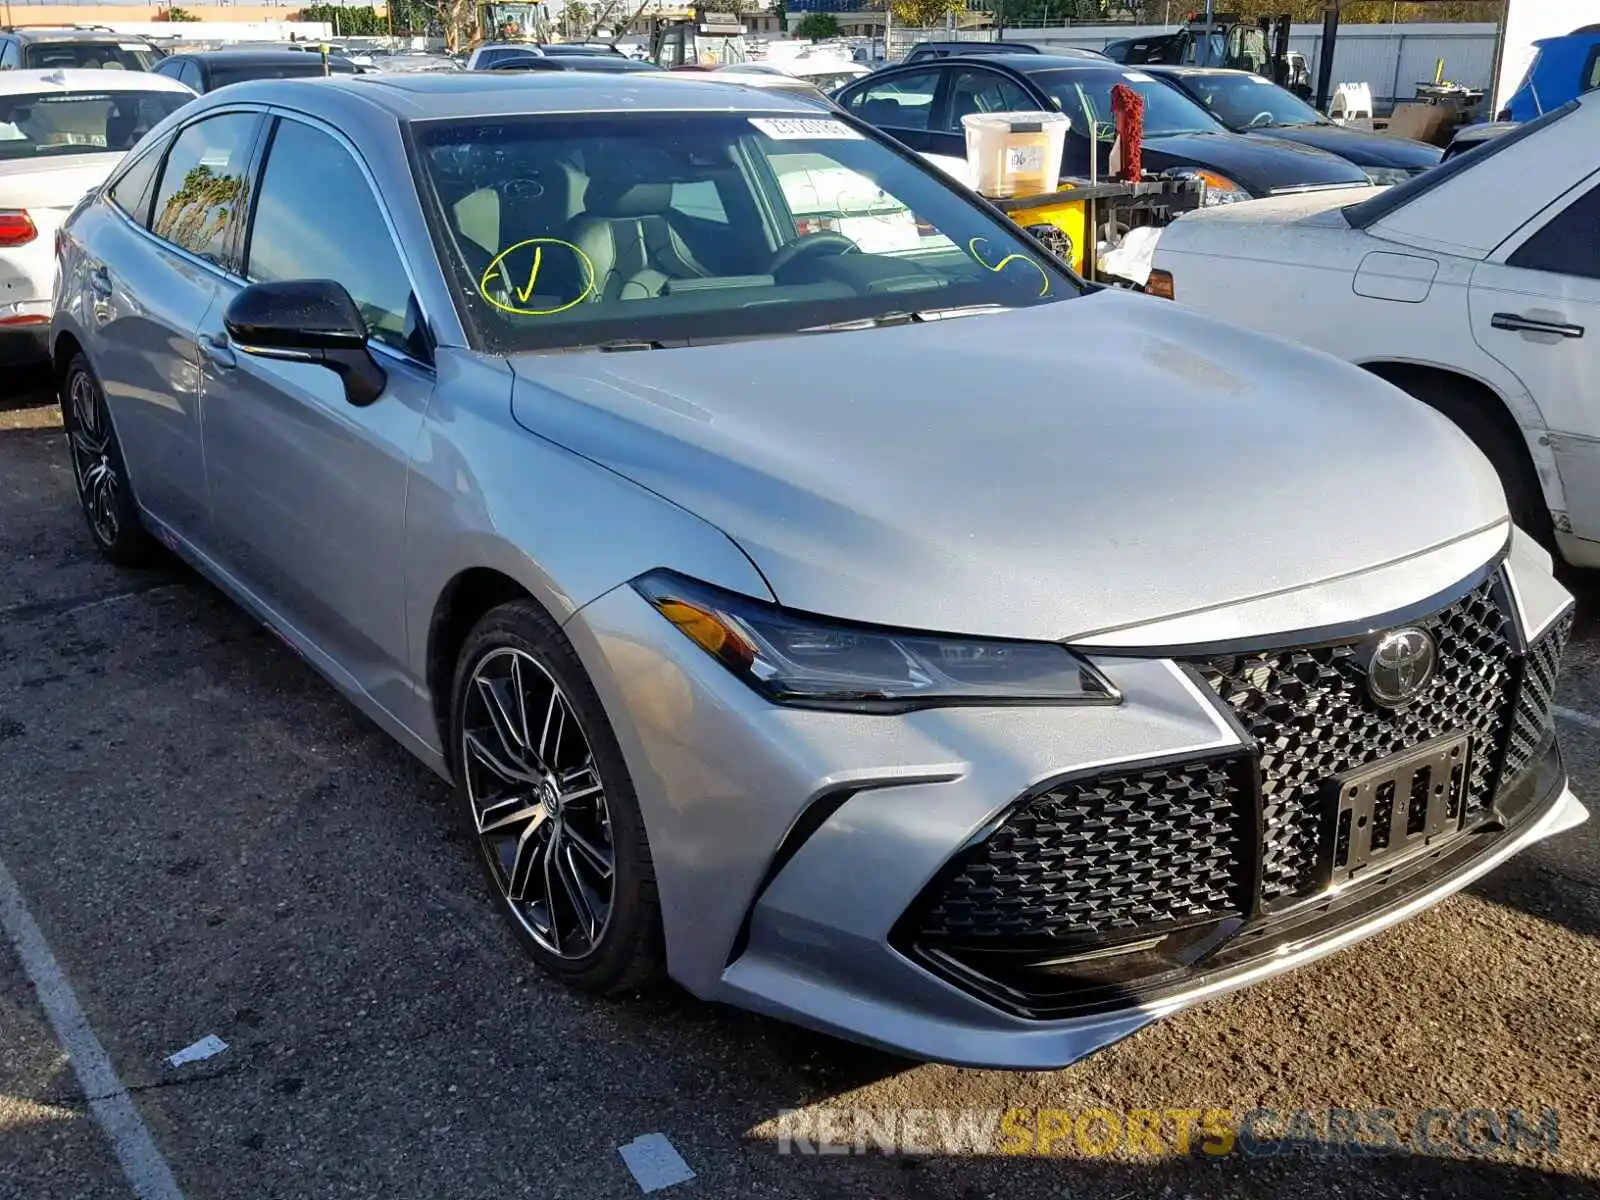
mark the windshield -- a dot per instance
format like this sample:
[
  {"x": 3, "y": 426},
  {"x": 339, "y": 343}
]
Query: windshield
[
  {"x": 57, "y": 123},
  {"x": 1166, "y": 110},
  {"x": 124, "y": 56},
  {"x": 1243, "y": 101},
  {"x": 222, "y": 74},
  {"x": 664, "y": 228}
]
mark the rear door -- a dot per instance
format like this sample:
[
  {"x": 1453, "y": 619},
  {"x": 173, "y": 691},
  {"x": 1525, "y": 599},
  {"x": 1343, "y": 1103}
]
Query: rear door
[
  {"x": 904, "y": 106},
  {"x": 155, "y": 258},
  {"x": 308, "y": 492},
  {"x": 1536, "y": 308}
]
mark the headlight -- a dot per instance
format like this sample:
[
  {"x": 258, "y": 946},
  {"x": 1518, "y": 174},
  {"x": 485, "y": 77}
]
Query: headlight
[
  {"x": 1386, "y": 176},
  {"x": 791, "y": 658},
  {"x": 1219, "y": 188}
]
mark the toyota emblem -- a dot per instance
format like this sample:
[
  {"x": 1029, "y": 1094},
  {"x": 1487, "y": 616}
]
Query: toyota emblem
[{"x": 1401, "y": 666}]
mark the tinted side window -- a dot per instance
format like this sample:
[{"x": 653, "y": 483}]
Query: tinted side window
[
  {"x": 9, "y": 57},
  {"x": 204, "y": 188},
  {"x": 131, "y": 193},
  {"x": 317, "y": 218},
  {"x": 984, "y": 92},
  {"x": 1569, "y": 244},
  {"x": 190, "y": 74},
  {"x": 904, "y": 102}
]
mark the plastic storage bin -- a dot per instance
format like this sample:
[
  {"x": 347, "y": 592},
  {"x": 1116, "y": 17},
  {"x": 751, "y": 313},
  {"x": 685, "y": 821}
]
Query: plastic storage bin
[{"x": 1015, "y": 153}]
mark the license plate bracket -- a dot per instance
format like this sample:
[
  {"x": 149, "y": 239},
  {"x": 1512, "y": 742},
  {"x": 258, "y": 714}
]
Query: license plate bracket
[{"x": 1398, "y": 805}]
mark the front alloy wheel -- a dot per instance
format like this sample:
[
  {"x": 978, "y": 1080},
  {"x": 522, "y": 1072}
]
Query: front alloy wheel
[
  {"x": 537, "y": 803},
  {"x": 544, "y": 793}
]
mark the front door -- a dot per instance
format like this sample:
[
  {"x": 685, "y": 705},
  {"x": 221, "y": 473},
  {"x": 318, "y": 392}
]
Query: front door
[
  {"x": 1536, "y": 308},
  {"x": 308, "y": 491}
]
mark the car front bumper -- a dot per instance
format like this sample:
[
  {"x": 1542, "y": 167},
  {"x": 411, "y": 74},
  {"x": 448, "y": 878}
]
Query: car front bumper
[{"x": 795, "y": 851}]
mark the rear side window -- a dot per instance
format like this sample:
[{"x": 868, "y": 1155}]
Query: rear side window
[
  {"x": 204, "y": 188},
  {"x": 9, "y": 57},
  {"x": 904, "y": 102},
  {"x": 1569, "y": 244},
  {"x": 1591, "y": 72},
  {"x": 131, "y": 193}
]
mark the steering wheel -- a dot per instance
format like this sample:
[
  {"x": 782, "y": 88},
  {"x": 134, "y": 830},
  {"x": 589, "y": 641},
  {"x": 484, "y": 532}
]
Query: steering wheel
[
  {"x": 1262, "y": 120},
  {"x": 811, "y": 245}
]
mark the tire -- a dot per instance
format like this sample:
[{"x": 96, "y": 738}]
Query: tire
[
  {"x": 100, "y": 473},
  {"x": 1500, "y": 443},
  {"x": 544, "y": 795}
]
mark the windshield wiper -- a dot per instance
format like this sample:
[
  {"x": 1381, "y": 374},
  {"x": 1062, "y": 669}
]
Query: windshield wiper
[{"x": 907, "y": 317}]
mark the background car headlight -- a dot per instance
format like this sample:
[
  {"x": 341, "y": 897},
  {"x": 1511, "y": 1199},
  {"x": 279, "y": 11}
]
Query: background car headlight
[
  {"x": 793, "y": 658},
  {"x": 1219, "y": 188},
  {"x": 1386, "y": 176}
]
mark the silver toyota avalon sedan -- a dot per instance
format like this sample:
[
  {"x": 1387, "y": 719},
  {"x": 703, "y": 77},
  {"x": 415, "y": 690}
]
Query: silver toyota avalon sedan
[{"x": 812, "y": 590}]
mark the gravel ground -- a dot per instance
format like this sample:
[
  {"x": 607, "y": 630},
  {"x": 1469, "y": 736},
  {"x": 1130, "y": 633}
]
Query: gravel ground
[{"x": 212, "y": 842}]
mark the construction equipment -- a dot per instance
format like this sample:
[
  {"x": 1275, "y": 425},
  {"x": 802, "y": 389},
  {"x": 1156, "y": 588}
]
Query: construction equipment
[
  {"x": 693, "y": 37},
  {"x": 1225, "y": 40}
]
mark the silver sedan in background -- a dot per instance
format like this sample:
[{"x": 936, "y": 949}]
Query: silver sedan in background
[{"x": 842, "y": 608}]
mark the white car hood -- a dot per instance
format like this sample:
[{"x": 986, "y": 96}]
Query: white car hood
[
  {"x": 1050, "y": 472},
  {"x": 1318, "y": 210}
]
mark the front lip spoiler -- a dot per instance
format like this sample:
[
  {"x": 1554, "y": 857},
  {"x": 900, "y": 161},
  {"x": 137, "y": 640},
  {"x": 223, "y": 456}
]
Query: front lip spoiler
[{"x": 1001, "y": 1041}]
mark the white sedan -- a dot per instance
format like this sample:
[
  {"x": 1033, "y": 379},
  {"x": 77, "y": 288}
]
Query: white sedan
[
  {"x": 61, "y": 134},
  {"x": 1475, "y": 287}
]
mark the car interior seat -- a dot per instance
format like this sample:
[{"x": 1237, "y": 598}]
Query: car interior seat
[{"x": 627, "y": 232}]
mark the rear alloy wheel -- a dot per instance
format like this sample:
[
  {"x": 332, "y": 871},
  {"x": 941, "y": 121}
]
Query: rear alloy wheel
[
  {"x": 543, "y": 792},
  {"x": 99, "y": 472}
]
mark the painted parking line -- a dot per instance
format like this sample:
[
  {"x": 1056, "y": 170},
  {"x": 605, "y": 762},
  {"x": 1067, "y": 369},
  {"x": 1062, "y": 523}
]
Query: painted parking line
[
  {"x": 146, "y": 1171},
  {"x": 1577, "y": 718}
]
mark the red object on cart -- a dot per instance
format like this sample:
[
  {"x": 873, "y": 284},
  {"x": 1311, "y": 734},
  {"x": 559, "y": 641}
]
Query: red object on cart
[{"x": 1127, "y": 111}]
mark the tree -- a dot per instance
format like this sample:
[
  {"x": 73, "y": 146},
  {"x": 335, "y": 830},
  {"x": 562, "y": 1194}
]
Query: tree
[
  {"x": 176, "y": 14},
  {"x": 816, "y": 26},
  {"x": 924, "y": 14},
  {"x": 414, "y": 17},
  {"x": 346, "y": 22}
]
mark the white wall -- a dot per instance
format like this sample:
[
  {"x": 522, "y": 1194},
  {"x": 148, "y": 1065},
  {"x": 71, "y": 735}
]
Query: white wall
[
  {"x": 1527, "y": 21},
  {"x": 1392, "y": 58},
  {"x": 224, "y": 31}
]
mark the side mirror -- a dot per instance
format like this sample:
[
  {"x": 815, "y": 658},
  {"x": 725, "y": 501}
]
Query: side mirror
[{"x": 307, "y": 320}]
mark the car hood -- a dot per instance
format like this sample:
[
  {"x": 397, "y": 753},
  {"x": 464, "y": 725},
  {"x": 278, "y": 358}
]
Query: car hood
[
  {"x": 1361, "y": 146},
  {"x": 1048, "y": 472},
  {"x": 1260, "y": 164},
  {"x": 53, "y": 182}
]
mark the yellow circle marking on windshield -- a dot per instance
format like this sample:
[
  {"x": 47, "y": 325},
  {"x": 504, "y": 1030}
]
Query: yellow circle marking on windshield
[
  {"x": 972, "y": 249},
  {"x": 498, "y": 269}
]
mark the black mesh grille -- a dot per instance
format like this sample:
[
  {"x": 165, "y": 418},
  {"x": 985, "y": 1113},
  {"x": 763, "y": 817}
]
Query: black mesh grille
[
  {"x": 1534, "y": 724},
  {"x": 1119, "y": 853},
  {"x": 1309, "y": 712}
]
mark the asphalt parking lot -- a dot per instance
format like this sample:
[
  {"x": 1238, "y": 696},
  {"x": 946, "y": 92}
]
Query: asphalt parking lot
[{"x": 210, "y": 842}]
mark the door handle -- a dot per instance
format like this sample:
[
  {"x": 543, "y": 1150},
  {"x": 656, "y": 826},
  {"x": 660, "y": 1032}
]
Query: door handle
[
  {"x": 215, "y": 348},
  {"x": 1515, "y": 323},
  {"x": 100, "y": 282}
]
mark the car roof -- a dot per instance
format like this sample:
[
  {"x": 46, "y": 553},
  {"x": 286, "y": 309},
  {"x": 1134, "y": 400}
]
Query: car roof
[
  {"x": 423, "y": 95},
  {"x": 1032, "y": 64},
  {"x": 84, "y": 79},
  {"x": 256, "y": 58}
]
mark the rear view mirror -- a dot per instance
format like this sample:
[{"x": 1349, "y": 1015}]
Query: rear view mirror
[{"x": 307, "y": 320}]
